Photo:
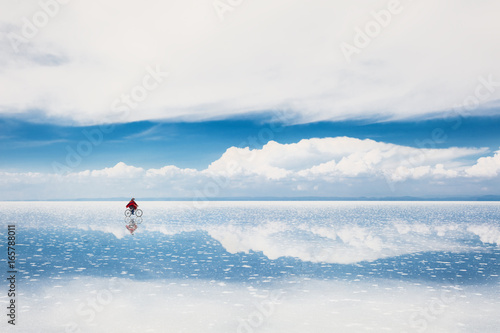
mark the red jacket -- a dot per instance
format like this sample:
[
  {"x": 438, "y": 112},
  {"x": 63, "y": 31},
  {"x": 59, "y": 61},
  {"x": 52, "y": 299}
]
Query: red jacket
[{"x": 132, "y": 204}]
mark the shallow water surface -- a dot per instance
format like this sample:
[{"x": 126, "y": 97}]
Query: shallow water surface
[{"x": 255, "y": 267}]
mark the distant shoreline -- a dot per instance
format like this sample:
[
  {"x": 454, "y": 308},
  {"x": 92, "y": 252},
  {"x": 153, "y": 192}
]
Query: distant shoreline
[{"x": 406, "y": 198}]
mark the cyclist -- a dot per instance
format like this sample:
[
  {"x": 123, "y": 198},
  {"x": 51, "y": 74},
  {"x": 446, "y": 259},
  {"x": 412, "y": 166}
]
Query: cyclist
[{"x": 132, "y": 205}]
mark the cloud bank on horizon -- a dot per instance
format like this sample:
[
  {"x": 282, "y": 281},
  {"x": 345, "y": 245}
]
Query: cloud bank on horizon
[
  {"x": 340, "y": 166},
  {"x": 83, "y": 62}
]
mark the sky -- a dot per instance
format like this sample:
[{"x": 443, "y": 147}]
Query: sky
[{"x": 249, "y": 99}]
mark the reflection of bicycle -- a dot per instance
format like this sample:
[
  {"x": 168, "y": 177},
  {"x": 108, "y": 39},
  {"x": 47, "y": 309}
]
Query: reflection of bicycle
[
  {"x": 133, "y": 219},
  {"x": 137, "y": 212}
]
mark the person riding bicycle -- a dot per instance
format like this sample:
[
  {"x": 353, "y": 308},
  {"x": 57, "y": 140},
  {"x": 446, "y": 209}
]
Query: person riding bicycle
[{"x": 132, "y": 205}]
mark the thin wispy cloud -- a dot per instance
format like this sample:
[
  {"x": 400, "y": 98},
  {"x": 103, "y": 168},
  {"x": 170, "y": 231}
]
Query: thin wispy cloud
[
  {"x": 36, "y": 143},
  {"x": 149, "y": 133},
  {"x": 154, "y": 133}
]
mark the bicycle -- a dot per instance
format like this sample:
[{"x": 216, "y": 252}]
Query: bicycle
[{"x": 137, "y": 212}]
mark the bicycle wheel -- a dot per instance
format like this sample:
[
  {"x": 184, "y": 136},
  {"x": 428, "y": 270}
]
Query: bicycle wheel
[
  {"x": 138, "y": 220},
  {"x": 128, "y": 212},
  {"x": 138, "y": 212},
  {"x": 127, "y": 220}
]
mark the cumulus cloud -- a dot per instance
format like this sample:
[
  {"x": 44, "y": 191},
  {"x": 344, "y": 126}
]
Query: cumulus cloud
[
  {"x": 78, "y": 66},
  {"x": 486, "y": 166},
  {"x": 120, "y": 170},
  {"x": 328, "y": 166},
  {"x": 340, "y": 157},
  {"x": 170, "y": 171}
]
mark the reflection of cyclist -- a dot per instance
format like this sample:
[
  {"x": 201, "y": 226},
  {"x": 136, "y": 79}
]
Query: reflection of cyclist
[
  {"x": 132, "y": 205},
  {"x": 131, "y": 227}
]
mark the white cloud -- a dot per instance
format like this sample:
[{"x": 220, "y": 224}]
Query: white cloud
[
  {"x": 486, "y": 166},
  {"x": 170, "y": 171},
  {"x": 340, "y": 166},
  {"x": 120, "y": 170},
  {"x": 285, "y": 55},
  {"x": 340, "y": 157}
]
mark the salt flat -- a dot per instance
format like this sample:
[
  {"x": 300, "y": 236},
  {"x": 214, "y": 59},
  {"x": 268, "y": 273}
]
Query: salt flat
[{"x": 256, "y": 267}]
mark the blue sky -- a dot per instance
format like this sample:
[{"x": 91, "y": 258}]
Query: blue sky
[
  {"x": 348, "y": 100},
  {"x": 139, "y": 152},
  {"x": 35, "y": 146}
]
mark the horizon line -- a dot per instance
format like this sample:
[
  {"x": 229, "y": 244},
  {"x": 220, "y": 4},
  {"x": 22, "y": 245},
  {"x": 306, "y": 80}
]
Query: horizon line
[{"x": 490, "y": 197}]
